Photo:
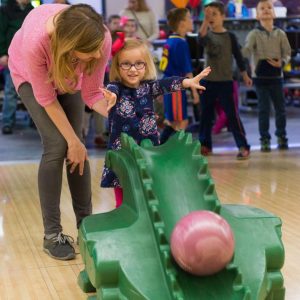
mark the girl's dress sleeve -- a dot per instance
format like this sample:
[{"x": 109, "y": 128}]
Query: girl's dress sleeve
[
  {"x": 166, "y": 85},
  {"x": 114, "y": 88}
]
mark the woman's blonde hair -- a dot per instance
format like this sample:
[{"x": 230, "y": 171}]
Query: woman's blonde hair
[
  {"x": 77, "y": 28},
  {"x": 150, "y": 72},
  {"x": 142, "y": 6}
]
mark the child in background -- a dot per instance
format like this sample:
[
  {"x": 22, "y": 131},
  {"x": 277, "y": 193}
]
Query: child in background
[
  {"x": 219, "y": 48},
  {"x": 130, "y": 28},
  {"x": 134, "y": 86},
  {"x": 113, "y": 24},
  {"x": 269, "y": 49},
  {"x": 176, "y": 61}
]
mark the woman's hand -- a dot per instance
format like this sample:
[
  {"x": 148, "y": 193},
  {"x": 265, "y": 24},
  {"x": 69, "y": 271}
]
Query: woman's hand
[
  {"x": 110, "y": 97},
  {"x": 76, "y": 155},
  {"x": 194, "y": 82}
]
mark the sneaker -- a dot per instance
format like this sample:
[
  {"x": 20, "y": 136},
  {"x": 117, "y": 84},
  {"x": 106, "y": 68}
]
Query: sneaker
[
  {"x": 243, "y": 154},
  {"x": 59, "y": 247},
  {"x": 282, "y": 143},
  {"x": 7, "y": 129},
  {"x": 205, "y": 151},
  {"x": 265, "y": 145}
]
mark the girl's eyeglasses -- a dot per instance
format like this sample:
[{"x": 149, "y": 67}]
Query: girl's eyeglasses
[{"x": 139, "y": 65}]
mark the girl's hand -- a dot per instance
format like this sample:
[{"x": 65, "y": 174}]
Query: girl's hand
[
  {"x": 194, "y": 82},
  {"x": 110, "y": 97},
  {"x": 76, "y": 155}
]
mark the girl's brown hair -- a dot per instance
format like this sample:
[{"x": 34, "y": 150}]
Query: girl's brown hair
[
  {"x": 150, "y": 72},
  {"x": 77, "y": 28}
]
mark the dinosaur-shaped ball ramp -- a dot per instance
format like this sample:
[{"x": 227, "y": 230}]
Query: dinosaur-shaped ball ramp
[{"x": 126, "y": 252}]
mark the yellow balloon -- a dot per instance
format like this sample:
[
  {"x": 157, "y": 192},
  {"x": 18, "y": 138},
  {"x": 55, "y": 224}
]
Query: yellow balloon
[{"x": 180, "y": 3}]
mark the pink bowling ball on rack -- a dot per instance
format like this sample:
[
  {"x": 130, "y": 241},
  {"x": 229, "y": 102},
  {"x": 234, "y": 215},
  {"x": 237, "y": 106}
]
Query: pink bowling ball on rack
[{"x": 202, "y": 243}]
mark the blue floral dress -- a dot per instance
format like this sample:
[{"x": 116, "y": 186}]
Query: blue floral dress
[{"x": 134, "y": 115}]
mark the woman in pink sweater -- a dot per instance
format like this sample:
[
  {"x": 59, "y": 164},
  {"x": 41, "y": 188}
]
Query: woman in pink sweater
[{"x": 57, "y": 59}]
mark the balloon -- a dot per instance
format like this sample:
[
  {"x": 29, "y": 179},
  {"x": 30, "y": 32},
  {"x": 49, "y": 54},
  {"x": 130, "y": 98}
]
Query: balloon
[
  {"x": 180, "y": 3},
  {"x": 202, "y": 243},
  {"x": 194, "y": 3},
  {"x": 162, "y": 34}
]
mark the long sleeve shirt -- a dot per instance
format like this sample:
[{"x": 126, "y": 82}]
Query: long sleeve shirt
[
  {"x": 219, "y": 51},
  {"x": 262, "y": 44},
  {"x": 30, "y": 59}
]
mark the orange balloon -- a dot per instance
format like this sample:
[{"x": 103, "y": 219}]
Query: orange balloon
[{"x": 180, "y": 3}]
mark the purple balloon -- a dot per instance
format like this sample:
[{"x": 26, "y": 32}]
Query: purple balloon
[{"x": 202, "y": 243}]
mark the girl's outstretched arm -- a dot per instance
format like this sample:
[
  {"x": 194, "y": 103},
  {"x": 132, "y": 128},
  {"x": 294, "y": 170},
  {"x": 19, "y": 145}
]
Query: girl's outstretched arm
[{"x": 194, "y": 82}]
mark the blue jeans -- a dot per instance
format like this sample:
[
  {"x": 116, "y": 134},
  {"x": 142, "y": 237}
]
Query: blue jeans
[
  {"x": 266, "y": 94},
  {"x": 10, "y": 100}
]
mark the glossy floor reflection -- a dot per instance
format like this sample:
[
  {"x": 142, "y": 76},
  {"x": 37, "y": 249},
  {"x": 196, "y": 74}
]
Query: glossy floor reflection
[{"x": 268, "y": 181}]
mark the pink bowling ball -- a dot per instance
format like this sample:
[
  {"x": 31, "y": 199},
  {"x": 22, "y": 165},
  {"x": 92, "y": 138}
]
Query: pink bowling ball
[{"x": 202, "y": 243}]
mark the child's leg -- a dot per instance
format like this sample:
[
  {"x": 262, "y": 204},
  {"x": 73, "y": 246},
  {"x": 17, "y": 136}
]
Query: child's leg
[
  {"x": 207, "y": 102},
  {"x": 221, "y": 120},
  {"x": 277, "y": 96},
  {"x": 264, "y": 109},
  {"x": 175, "y": 114},
  {"x": 231, "y": 111},
  {"x": 119, "y": 196},
  {"x": 166, "y": 133}
]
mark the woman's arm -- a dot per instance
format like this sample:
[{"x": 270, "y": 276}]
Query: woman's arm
[
  {"x": 110, "y": 97},
  {"x": 77, "y": 153},
  {"x": 101, "y": 107},
  {"x": 154, "y": 28}
]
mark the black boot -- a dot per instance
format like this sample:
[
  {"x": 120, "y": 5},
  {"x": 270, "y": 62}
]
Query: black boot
[{"x": 167, "y": 132}]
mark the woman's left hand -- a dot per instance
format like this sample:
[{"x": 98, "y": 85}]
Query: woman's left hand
[{"x": 194, "y": 82}]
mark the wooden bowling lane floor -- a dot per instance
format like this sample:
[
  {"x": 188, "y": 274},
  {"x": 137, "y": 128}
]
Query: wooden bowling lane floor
[{"x": 268, "y": 181}]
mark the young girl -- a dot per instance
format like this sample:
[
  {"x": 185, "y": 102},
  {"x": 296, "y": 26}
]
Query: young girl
[{"x": 134, "y": 87}]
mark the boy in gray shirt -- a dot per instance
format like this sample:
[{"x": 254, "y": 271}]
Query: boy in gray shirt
[
  {"x": 269, "y": 49},
  {"x": 220, "y": 46}
]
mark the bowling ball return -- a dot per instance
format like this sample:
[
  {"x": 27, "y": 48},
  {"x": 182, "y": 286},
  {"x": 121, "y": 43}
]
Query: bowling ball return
[{"x": 126, "y": 252}]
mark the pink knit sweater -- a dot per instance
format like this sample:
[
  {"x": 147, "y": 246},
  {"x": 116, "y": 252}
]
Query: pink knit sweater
[{"x": 30, "y": 58}]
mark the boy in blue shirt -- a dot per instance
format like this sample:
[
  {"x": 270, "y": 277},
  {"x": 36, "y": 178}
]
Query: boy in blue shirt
[{"x": 176, "y": 61}]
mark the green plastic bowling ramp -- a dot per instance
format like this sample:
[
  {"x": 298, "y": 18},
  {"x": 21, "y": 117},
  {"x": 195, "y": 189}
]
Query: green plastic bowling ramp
[{"x": 126, "y": 252}]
